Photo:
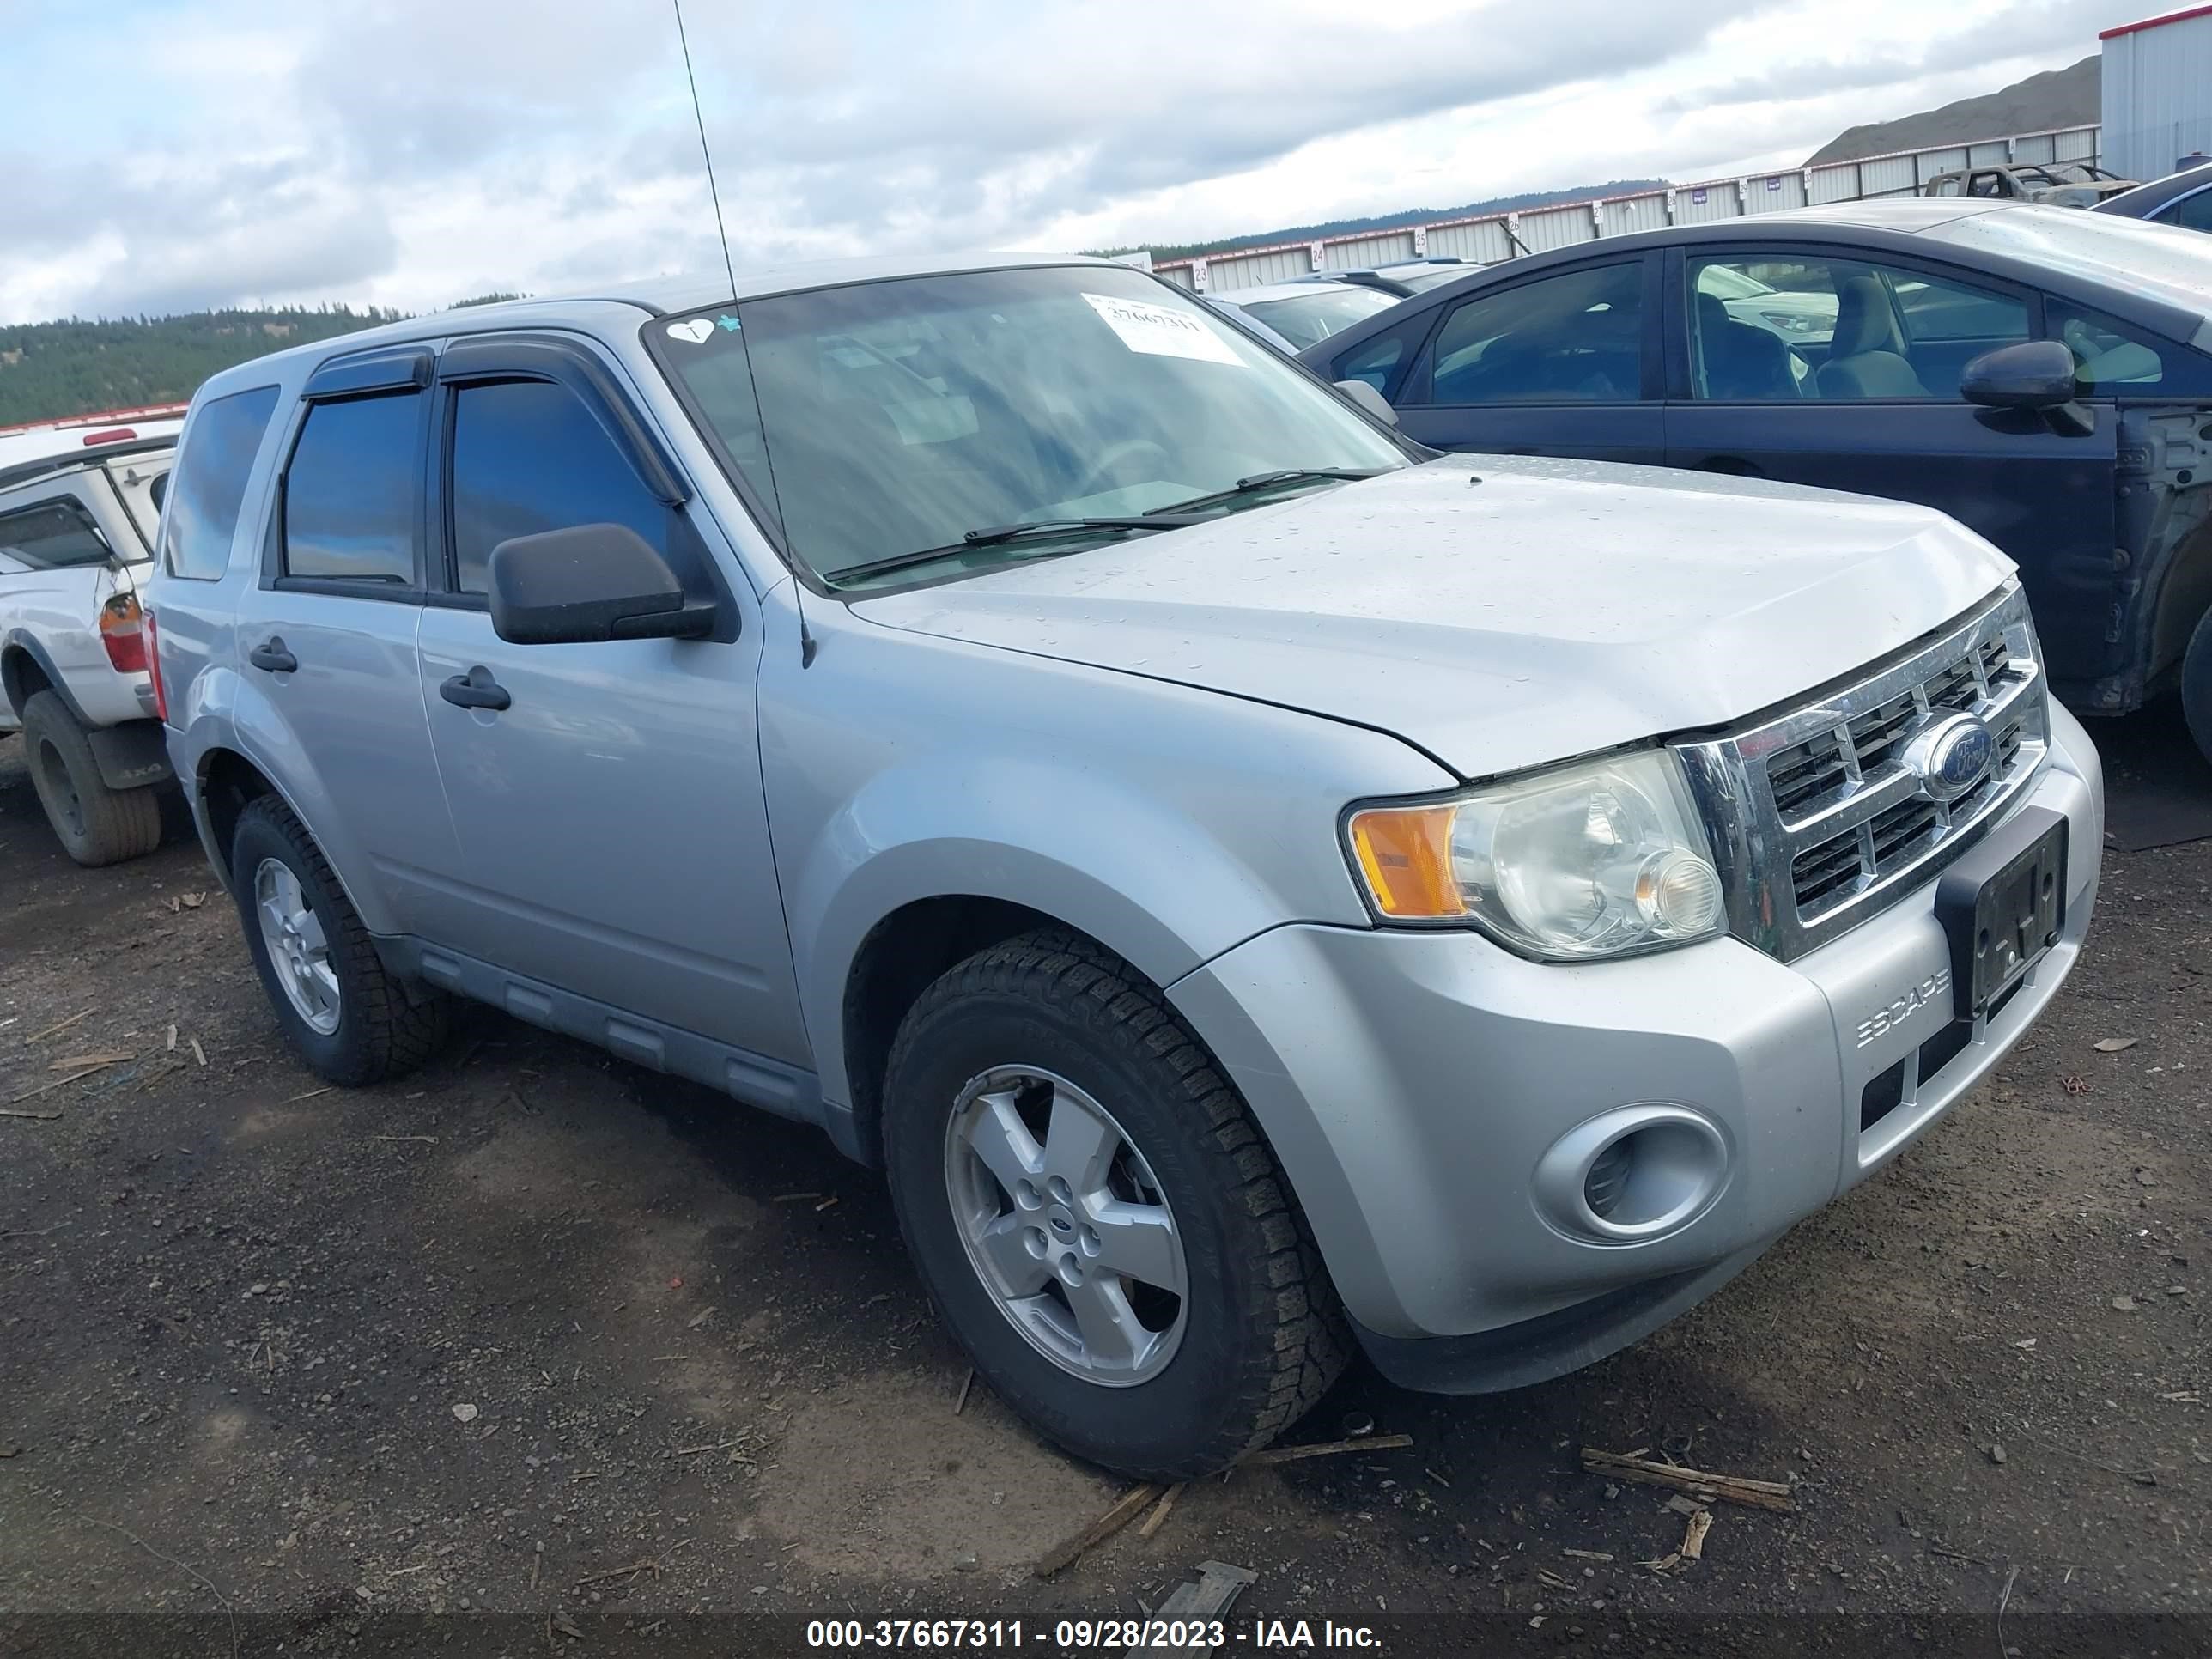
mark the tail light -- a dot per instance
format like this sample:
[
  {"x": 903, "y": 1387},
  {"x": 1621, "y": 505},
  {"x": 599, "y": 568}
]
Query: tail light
[
  {"x": 153, "y": 636},
  {"x": 114, "y": 435},
  {"x": 123, "y": 633}
]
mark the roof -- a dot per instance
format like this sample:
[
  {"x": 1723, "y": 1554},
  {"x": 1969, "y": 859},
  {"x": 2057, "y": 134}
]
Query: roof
[
  {"x": 1302, "y": 287},
  {"x": 2154, "y": 22},
  {"x": 656, "y": 296}
]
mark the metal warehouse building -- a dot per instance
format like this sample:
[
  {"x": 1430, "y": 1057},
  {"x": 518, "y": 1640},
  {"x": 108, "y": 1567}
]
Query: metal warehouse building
[{"x": 2158, "y": 93}]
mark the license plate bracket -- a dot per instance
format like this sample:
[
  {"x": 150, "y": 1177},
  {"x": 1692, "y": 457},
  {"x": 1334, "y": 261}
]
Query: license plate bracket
[{"x": 2002, "y": 906}]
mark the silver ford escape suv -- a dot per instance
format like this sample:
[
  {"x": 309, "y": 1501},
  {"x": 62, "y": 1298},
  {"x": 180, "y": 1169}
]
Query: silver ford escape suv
[{"x": 1251, "y": 886}]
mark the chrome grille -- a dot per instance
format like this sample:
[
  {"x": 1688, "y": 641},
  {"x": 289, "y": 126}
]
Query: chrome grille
[{"x": 1818, "y": 820}]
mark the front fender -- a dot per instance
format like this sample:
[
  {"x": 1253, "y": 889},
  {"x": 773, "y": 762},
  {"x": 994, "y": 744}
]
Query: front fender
[
  {"x": 1167, "y": 823},
  {"x": 1121, "y": 869}
]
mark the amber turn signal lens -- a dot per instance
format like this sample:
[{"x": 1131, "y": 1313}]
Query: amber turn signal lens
[{"x": 1405, "y": 853}]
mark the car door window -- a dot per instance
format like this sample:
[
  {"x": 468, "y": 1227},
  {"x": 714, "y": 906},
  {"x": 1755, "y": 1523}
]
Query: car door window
[
  {"x": 1575, "y": 337},
  {"x": 529, "y": 457},
  {"x": 51, "y": 536},
  {"x": 1771, "y": 328},
  {"x": 353, "y": 494},
  {"x": 2113, "y": 359},
  {"x": 2191, "y": 212}
]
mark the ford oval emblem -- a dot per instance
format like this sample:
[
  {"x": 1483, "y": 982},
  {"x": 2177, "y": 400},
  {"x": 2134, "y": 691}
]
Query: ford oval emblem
[{"x": 1952, "y": 756}]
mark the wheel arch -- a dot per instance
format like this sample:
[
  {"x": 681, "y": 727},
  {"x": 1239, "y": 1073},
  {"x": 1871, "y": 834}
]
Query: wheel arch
[
  {"x": 899, "y": 958},
  {"x": 224, "y": 784},
  {"x": 25, "y": 669}
]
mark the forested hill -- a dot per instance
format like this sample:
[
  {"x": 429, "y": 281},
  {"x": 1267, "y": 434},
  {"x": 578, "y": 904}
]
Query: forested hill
[{"x": 73, "y": 367}]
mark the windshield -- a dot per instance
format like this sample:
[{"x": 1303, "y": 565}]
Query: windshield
[
  {"x": 2151, "y": 261},
  {"x": 1308, "y": 319},
  {"x": 881, "y": 419},
  {"x": 1723, "y": 283}
]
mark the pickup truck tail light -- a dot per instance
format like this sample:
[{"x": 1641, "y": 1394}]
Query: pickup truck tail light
[{"x": 123, "y": 633}]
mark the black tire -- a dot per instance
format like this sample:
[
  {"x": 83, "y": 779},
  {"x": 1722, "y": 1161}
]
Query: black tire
[
  {"x": 2196, "y": 685},
  {"x": 386, "y": 1026},
  {"x": 1265, "y": 1334},
  {"x": 95, "y": 824}
]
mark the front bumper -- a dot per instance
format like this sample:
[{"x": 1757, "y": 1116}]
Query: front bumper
[{"x": 1412, "y": 1082}]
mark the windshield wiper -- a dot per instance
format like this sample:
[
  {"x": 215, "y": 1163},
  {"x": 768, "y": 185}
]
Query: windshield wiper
[
  {"x": 1000, "y": 534},
  {"x": 1284, "y": 475}
]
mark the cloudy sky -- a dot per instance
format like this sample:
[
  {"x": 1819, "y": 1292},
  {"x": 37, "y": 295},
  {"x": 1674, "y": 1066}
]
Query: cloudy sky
[{"x": 158, "y": 156}]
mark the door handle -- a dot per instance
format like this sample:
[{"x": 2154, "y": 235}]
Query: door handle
[
  {"x": 271, "y": 655},
  {"x": 475, "y": 690}
]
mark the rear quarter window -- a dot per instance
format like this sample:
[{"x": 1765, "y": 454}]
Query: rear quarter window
[{"x": 208, "y": 487}]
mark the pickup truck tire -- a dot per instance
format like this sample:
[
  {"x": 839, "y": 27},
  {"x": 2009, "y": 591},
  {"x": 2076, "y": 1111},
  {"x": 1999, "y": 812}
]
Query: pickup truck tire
[
  {"x": 96, "y": 825},
  {"x": 2196, "y": 685},
  {"x": 1048, "y": 1024},
  {"x": 375, "y": 1025}
]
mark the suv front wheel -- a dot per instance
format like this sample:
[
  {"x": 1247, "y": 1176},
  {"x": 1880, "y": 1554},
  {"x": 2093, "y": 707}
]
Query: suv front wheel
[
  {"x": 349, "y": 1019},
  {"x": 1098, "y": 1218},
  {"x": 96, "y": 825}
]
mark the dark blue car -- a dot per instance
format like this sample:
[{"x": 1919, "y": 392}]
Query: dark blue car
[{"x": 2042, "y": 374}]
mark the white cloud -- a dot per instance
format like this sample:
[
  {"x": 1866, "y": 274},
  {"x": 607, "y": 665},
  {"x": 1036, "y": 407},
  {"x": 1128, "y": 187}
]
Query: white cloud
[{"x": 410, "y": 152}]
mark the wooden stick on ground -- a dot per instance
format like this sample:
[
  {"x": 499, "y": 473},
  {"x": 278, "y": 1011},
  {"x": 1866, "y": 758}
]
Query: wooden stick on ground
[
  {"x": 1064, "y": 1553},
  {"x": 1327, "y": 1448},
  {"x": 29, "y": 1093},
  {"x": 41, "y": 1117},
  {"x": 1159, "y": 1515},
  {"x": 1694, "y": 1539},
  {"x": 40, "y": 1036},
  {"x": 1753, "y": 1494}
]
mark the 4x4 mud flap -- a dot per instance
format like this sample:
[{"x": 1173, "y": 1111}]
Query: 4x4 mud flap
[{"x": 130, "y": 756}]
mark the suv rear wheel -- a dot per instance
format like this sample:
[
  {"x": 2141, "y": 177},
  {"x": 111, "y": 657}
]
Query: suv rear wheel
[
  {"x": 96, "y": 825},
  {"x": 1096, "y": 1217},
  {"x": 350, "y": 1020}
]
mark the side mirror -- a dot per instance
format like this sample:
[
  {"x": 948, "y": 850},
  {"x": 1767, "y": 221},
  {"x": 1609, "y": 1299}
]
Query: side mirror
[
  {"x": 592, "y": 582},
  {"x": 1369, "y": 399},
  {"x": 2035, "y": 374}
]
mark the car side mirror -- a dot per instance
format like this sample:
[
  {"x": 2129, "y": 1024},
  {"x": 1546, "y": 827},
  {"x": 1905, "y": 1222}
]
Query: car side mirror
[
  {"x": 1369, "y": 399},
  {"x": 2035, "y": 375},
  {"x": 589, "y": 583}
]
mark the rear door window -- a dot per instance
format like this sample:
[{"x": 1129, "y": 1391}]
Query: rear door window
[
  {"x": 58, "y": 535},
  {"x": 353, "y": 494},
  {"x": 204, "y": 495},
  {"x": 1575, "y": 337},
  {"x": 529, "y": 457}
]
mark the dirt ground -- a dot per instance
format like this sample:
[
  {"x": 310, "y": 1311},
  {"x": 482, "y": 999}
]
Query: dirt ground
[{"x": 536, "y": 1352}]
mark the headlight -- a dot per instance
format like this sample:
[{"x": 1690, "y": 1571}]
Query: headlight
[
  {"x": 1592, "y": 859},
  {"x": 1790, "y": 322}
]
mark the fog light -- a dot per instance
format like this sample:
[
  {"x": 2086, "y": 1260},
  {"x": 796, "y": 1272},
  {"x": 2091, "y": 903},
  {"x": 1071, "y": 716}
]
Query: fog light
[
  {"x": 1633, "y": 1175},
  {"x": 1609, "y": 1177}
]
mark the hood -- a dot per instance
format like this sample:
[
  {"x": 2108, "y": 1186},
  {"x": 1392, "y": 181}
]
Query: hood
[{"x": 1497, "y": 611}]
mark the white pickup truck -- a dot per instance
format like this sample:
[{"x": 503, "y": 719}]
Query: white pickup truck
[{"x": 79, "y": 512}]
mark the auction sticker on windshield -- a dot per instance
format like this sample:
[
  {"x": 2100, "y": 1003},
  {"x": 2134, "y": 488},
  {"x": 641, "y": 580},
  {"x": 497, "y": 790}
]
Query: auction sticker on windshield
[{"x": 1162, "y": 331}]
